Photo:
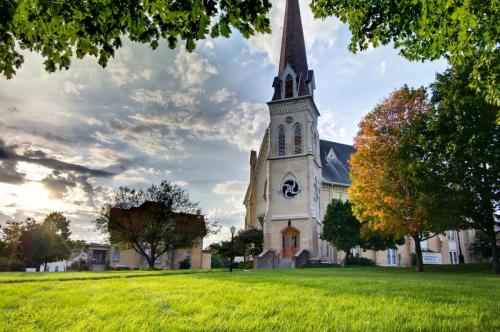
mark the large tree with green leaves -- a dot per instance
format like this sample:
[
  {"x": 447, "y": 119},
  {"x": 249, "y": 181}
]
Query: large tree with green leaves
[
  {"x": 33, "y": 244},
  {"x": 59, "y": 29},
  {"x": 427, "y": 30},
  {"x": 58, "y": 223},
  {"x": 461, "y": 141},
  {"x": 391, "y": 190},
  {"x": 153, "y": 221},
  {"x": 340, "y": 227},
  {"x": 343, "y": 230}
]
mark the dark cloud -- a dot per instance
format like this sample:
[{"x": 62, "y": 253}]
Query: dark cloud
[
  {"x": 13, "y": 109},
  {"x": 64, "y": 176},
  {"x": 8, "y": 173},
  {"x": 39, "y": 157}
]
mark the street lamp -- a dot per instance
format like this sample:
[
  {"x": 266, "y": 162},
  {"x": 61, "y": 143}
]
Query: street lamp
[{"x": 233, "y": 230}]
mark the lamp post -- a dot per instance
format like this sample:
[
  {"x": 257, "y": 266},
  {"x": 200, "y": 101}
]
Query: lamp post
[{"x": 233, "y": 230}]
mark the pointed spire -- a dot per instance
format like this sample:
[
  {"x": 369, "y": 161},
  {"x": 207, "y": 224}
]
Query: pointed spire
[
  {"x": 293, "y": 48},
  {"x": 293, "y": 53}
]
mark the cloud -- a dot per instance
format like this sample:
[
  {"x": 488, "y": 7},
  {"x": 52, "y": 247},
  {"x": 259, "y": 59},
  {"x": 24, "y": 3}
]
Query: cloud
[
  {"x": 181, "y": 183},
  {"x": 9, "y": 174},
  {"x": 148, "y": 96},
  {"x": 192, "y": 69},
  {"x": 382, "y": 68},
  {"x": 222, "y": 95},
  {"x": 57, "y": 176},
  {"x": 231, "y": 188},
  {"x": 154, "y": 139},
  {"x": 120, "y": 70},
  {"x": 242, "y": 125},
  {"x": 72, "y": 88}
]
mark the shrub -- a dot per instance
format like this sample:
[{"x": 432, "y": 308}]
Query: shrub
[
  {"x": 241, "y": 265},
  {"x": 217, "y": 262},
  {"x": 80, "y": 265},
  {"x": 249, "y": 265},
  {"x": 185, "y": 264},
  {"x": 361, "y": 261}
]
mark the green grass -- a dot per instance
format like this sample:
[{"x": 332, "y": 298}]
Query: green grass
[{"x": 323, "y": 299}]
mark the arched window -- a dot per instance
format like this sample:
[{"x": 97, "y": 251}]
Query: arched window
[
  {"x": 281, "y": 141},
  {"x": 297, "y": 138},
  {"x": 289, "y": 86}
]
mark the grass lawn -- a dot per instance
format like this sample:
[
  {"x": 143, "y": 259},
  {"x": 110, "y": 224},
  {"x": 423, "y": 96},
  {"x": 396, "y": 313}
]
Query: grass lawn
[{"x": 315, "y": 299}]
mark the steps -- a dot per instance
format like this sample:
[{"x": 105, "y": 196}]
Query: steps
[{"x": 286, "y": 263}]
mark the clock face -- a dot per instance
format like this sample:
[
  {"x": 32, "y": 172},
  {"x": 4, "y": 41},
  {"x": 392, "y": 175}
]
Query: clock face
[{"x": 290, "y": 188}]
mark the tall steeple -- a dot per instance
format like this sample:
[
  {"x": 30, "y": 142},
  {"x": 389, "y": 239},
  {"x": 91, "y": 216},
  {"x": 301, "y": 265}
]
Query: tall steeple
[{"x": 293, "y": 53}]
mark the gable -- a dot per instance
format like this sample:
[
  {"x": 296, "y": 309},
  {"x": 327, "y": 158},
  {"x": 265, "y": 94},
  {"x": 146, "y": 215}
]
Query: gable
[{"x": 335, "y": 162}]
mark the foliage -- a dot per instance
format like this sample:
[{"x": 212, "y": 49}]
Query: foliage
[
  {"x": 380, "y": 299},
  {"x": 378, "y": 240},
  {"x": 185, "y": 264},
  {"x": 250, "y": 242},
  {"x": 60, "y": 29},
  {"x": 481, "y": 247},
  {"x": 461, "y": 141},
  {"x": 459, "y": 31},
  {"x": 57, "y": 222},
  {"x": 340, "y": 227},
  {"x": 33, "y": 244},
  {"x": 361, "y": 261},
  {"x": 246, "y": 243},
  {"x": 343, "y": 230},
  {"x": 76, "y": 245},
  {"x": 160, "y": 225},
  {"x": 217, "y": 261},
  {"x": 79, "y": 265},
  {"x": 389, "y": 190}
]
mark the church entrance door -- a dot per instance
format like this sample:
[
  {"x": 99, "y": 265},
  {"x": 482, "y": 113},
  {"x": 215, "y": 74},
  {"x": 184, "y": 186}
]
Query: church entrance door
[{"x": 291, "y": 244}]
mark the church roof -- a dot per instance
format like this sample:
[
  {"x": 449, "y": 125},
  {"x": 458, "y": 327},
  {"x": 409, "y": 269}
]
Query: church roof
[{"x": 335, "y": 162}]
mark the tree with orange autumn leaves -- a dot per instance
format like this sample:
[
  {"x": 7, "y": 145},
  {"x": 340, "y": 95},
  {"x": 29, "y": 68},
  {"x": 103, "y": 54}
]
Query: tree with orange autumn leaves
[{"x": 391, "y": 189}]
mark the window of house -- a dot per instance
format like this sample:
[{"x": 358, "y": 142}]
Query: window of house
[
  {"x": 424, "y": 245},
  {"x": 391, "y": 257},
  {"x": 451, "y": 235},
  {"x": 281, "y": 141},
  {"x": 289, "y": 86},
  {"x": 56, "y": 269},
  {"x": 297, "y": 138},
  {"x": 453, "y": 257},
  {"x": 116, "y": 254}
]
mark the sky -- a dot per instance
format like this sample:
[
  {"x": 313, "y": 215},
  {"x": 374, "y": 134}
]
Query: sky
[{"x": 69, "y": 139}]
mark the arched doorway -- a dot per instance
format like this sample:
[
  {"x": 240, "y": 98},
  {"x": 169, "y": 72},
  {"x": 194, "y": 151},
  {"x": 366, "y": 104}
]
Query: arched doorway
[{"x": 291, "y": 242}]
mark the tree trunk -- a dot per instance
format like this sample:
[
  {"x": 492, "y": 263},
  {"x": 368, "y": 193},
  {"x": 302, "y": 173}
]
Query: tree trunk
[
  {"x": 151, "y": 262},
  {"x": 346, "y": 258},
  {"x": 172, "y": 256},
  {"x": 418, "y": 254},
  {"x": 45, "y": 267},
  {"x": 494, "y": 250}
]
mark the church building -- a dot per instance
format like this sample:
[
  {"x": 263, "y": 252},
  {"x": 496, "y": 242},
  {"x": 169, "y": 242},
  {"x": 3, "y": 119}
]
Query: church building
[{"x": 295, "y": 175}]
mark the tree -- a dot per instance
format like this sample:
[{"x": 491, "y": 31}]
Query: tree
[
  {"x": 251, "y": 241},
  {"x": 340, "y": 227},
  {"x": 481, "y": 247},
  {"x": 151, "y": 222},
  {"x": 427, "y": 30},
  {"x": 34, "y": 244},
  {"x": 58, "y": 223},
  {"x": 60, "y": 29},
  {"x": 76, "y": 245},
  {"x": 462, "y": 141},
  {"x": 343, "y": 230},
  {"x": 389, "y": 191}
]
